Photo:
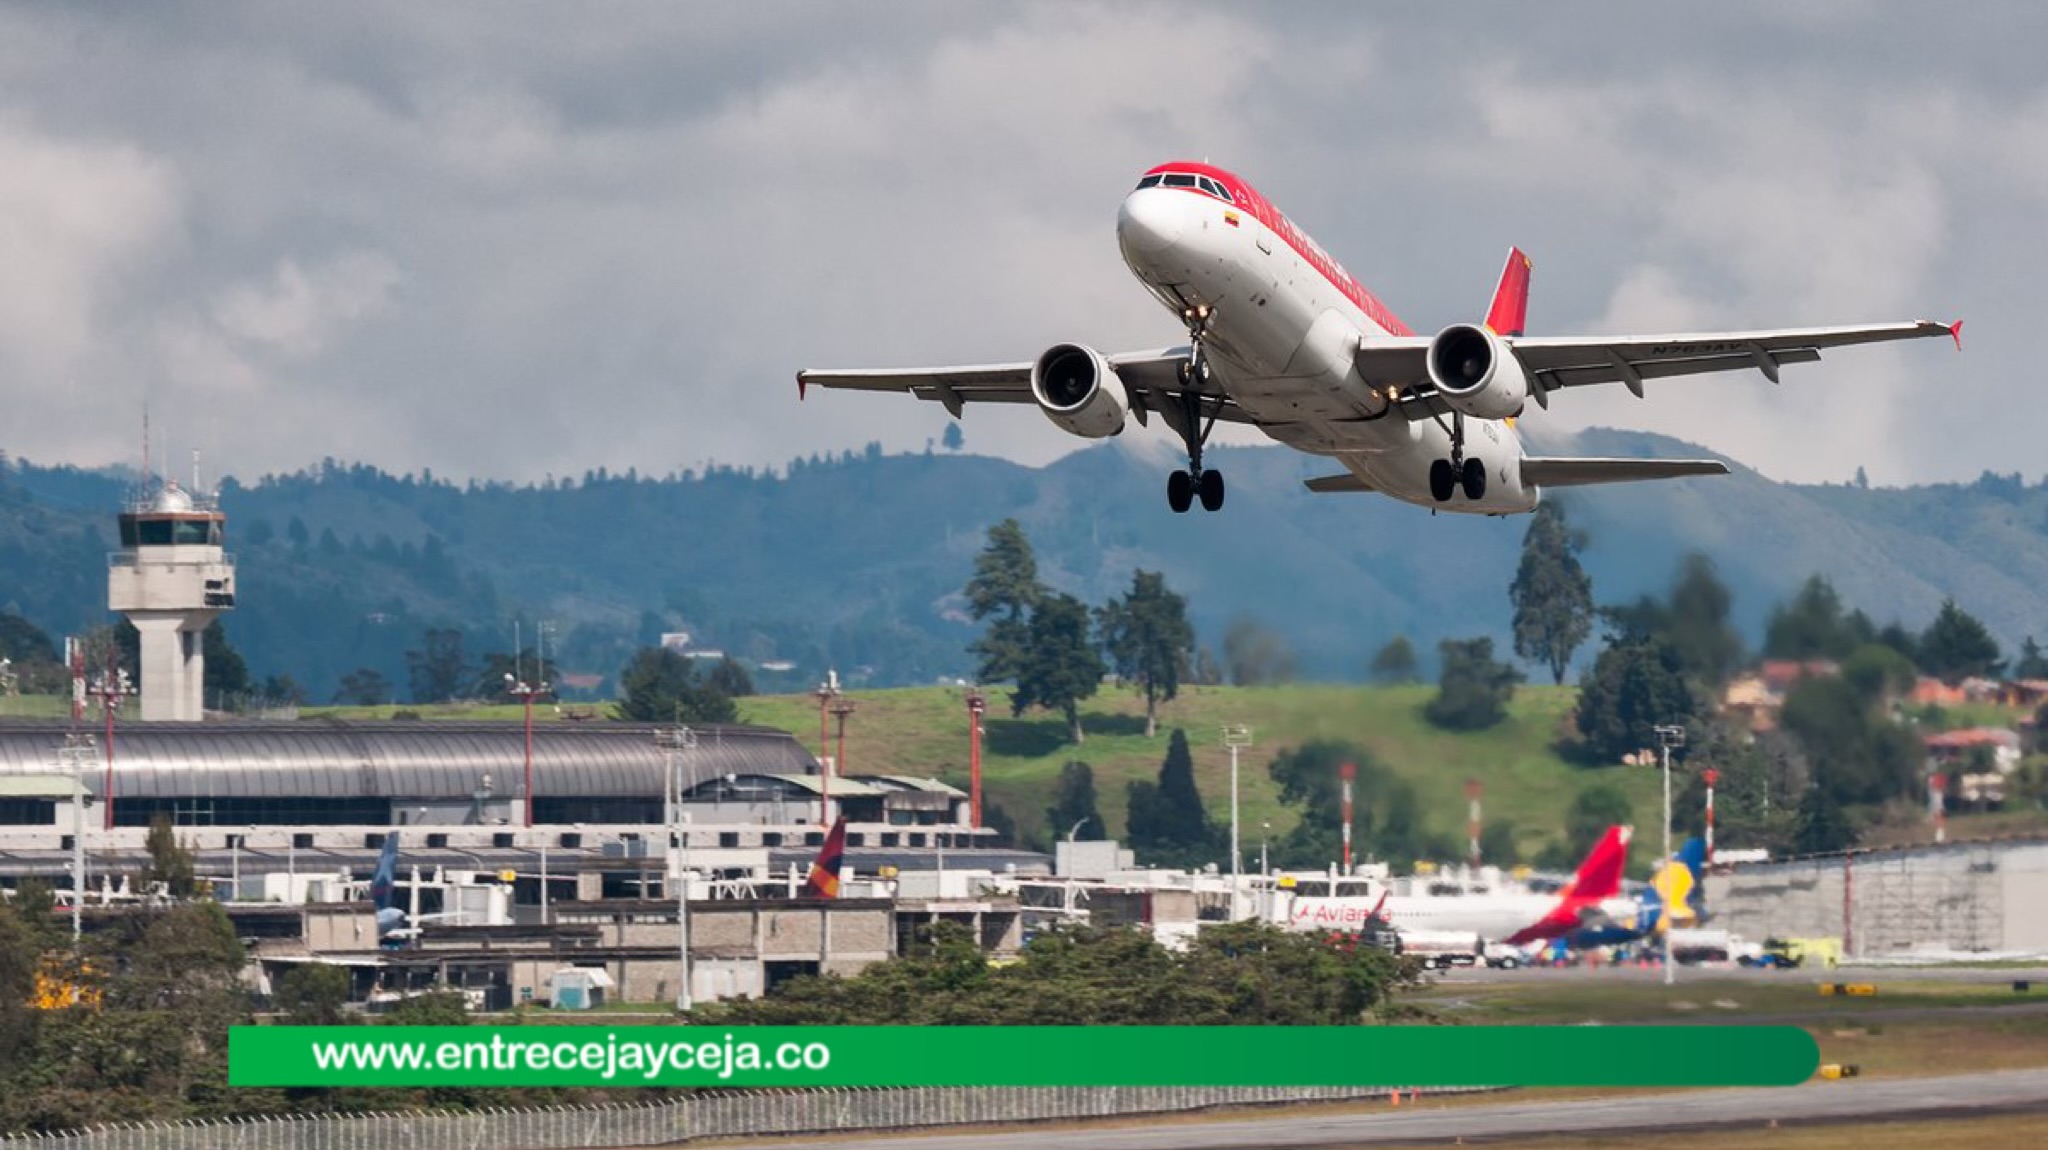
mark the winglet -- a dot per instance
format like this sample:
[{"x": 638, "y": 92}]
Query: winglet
[
  {"x": 799, "y": 387},
  {"x": 1956, "y": 330},
  {"x": 1510, "y": 310}
]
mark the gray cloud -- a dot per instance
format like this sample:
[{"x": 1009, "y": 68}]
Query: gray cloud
[{"x": 516, "y": 240}]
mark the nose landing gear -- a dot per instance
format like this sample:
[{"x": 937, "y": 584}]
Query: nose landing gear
[{"x": 1183, "y": 488}]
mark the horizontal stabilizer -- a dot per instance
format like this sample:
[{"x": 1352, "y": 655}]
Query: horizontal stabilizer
[
  {"x": 1346, "y": 482},
  {"x": 1585, "y": 472}
]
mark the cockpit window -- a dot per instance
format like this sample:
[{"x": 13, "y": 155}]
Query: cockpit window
[
  {"x": 1148, "y": 181},
  {"x": 1179, "y": 181},
  {"x": 1216, "y": 189}
]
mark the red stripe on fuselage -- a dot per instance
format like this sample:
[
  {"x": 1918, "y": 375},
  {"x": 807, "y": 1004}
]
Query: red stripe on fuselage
[{"x": 1262, "y": 209}]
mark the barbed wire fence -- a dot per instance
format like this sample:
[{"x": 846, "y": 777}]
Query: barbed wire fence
[{"x": 706, "y": 1115}]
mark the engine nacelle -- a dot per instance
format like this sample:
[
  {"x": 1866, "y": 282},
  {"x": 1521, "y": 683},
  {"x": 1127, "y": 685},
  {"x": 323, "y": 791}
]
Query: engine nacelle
[
  {"x": 1079, "y": 391},
  {"x": 1477, "y": 373}
]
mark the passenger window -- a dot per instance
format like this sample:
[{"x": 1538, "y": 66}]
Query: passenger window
[
  {"x": 1148, "y": 181},
  {"x": 1179, "y": 181}
]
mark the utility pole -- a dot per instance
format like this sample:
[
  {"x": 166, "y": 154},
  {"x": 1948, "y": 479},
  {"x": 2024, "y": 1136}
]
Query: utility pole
[
  {"x": 975, "y": 706},
  {"x": 521, "y": 690},
  {"x": 77, "y": 756},
  {"x": 673, "y": 743},
  {"x": 1667, "y": 738},
  {"x": 1235, "y": 735}
]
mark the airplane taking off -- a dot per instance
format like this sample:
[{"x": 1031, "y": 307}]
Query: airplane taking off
[{"x": 1282, "y": 338}]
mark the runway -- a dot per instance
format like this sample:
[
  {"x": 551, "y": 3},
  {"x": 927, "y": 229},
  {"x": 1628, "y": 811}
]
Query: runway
[
  {"x": 1879, "y": 973},
  {"x": 1859, "y": 1100}
]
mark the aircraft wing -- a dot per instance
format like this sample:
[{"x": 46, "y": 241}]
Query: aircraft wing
[
  {"x": 1151, "y": 377},
  {"x": 1588, "y": 471},
  {"x": 1557, "y": 362}
]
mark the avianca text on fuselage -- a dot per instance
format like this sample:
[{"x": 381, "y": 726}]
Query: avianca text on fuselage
[{"x": 1281, "y": 337}]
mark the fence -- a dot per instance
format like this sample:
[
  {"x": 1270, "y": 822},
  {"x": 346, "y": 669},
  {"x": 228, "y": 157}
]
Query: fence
[{"x": 681, "y": 1120}]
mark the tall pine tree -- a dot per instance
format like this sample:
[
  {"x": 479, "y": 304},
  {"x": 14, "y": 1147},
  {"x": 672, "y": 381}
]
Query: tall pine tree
[
  {"x": 1149, "y": 640},
  {"x": 1552, "y": 594},
  {"x": 1167, "y": 820}
]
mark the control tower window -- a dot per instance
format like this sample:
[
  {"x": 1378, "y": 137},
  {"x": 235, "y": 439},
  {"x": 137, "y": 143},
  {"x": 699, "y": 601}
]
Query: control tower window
[{"x": 170, "y": 532}]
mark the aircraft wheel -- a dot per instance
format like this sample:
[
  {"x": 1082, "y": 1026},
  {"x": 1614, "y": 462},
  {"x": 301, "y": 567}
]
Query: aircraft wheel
[
  {"x": 1180, "y": 491},
  {"x": 1210, "y": 487},
  {"x": 1441, "y": 481},
  {"x": 1474, "y": 480}
]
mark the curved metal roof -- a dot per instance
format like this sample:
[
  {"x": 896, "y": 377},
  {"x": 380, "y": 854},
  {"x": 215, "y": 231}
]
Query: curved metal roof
[{"x": 409, "y": 760}]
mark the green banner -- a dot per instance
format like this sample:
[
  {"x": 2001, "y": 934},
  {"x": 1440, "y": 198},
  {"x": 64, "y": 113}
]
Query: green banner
[{"x": 594, "y": 1055}]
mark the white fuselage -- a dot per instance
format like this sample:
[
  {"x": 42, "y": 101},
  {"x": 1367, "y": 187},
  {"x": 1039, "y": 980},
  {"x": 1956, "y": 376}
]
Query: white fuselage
[
  {"x": 1492, "y": 916},
  {"x": 1282, "y": 342}
]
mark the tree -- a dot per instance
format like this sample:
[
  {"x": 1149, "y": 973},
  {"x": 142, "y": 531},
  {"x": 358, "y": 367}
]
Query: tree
[
  {"x": 1857, "y": 754},
  {"x": 170, "y": 862},
  {"x": 1813, "y": 626},
  {"x": 1073, "y": 803},
  {"x": 953, "y": 440},
  {"x": 226, "y": 680},
  {"x": 2032, "y": 663},
  {"x": 1635, "y": 686},
  {"x": 1497, "y": 846},
  {"x": 1387, "y": 819},
  {"x": 1004, "y": 588},
  {"x": 1698, "y": 627},
  {"x": 1167, "y": 819},
  {"x": 1822, "y": 825},
  {"x": 1395, "y": 662},
  {"x": 364, "y": 687},
  {"x": 730, "y": 679},
  {"x": 1255, "y": 656},
  {"x": 1149, "y": 640},
  {"x": 1473, "y": 690},
  {"x": 1060, "y": 665},
  {"x": 312, "y": 995},
  {"x": 1956, "y": 646},
  {"x": 437, "y": 672},
  {"x": 1593, "y": 810},
  {"x": 659, "y": 685},
  {"x": 1552, "y": 594}
]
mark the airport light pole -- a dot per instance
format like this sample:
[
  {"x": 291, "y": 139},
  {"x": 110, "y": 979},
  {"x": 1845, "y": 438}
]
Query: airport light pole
[
  {"x": 1235, "y": 735},
  {"x": 976, "y": 704},
  {"x": 524, "y": 692},
  {"x": 1667, "y": 738},
  {"x": 826, "y": 692}
]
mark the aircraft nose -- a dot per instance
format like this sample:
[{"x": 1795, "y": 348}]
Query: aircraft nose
[{"x": 1149, "y": 221}]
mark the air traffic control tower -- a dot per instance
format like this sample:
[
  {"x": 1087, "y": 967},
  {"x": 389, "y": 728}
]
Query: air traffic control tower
[{"x": 172, "y": 580}]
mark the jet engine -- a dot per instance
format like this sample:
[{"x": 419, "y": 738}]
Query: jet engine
[
  {"x": 1080, "y": 391},
  {"x": 1477, "y": 373}
]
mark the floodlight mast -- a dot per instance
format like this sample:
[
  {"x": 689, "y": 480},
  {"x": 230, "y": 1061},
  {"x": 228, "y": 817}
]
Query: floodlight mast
[{"x": 1667, "y": 738}]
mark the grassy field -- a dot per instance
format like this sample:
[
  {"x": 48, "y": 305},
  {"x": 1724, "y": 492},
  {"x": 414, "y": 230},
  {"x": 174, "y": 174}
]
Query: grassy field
[{"x": 923, "y": 731}]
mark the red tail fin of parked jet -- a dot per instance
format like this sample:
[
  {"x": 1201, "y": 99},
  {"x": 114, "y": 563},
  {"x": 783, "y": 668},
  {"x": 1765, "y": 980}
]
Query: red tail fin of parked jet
[
  {"x": 1510, "y": 310},
  {"x": 1599, "y": 878},
  {"x": 824, "y": 879}
]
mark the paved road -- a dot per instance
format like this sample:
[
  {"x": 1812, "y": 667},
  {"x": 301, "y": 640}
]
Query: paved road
[
  {"x": 2038, "y": 975},
  {"x": 1854, "y": 1099}
]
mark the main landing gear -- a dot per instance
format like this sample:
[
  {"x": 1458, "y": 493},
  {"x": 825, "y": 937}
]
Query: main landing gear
[
  {"x": 1184, "y": 487},
  {"x": 1447, "y": 476}
]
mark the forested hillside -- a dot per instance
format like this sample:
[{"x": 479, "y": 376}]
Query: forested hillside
[{"x": 857, "y": 562}]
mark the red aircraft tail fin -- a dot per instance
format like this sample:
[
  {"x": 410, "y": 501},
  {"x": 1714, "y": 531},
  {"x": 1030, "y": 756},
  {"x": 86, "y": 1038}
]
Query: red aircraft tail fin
[
  {"x": 1510, "y": 310},
  {"x": 1599, "y": 878},
  {"x": 824, "y": 877},
  {"x": 1600, "y": 875}
]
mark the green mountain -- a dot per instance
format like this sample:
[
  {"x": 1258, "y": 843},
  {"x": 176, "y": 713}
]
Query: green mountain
[{"x": 856, "y": 562}]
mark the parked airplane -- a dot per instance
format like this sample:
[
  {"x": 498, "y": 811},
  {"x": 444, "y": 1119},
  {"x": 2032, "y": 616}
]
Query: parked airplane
[
  {"x": 1282, "y": 338},
  {"x": 1676, "y": 884},
  {"x": 1513, "y": 917}
]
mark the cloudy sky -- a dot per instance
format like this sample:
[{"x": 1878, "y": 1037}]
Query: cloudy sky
[{"x": 509, "y": 241}]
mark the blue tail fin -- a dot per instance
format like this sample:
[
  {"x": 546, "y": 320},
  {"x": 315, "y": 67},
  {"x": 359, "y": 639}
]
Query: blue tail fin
[{"x": 385, "y": 880}]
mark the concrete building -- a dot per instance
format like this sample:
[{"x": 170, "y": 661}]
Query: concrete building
[
  {"x": 1979, "y": 898},
  {"x": 172, "y": 578}
]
